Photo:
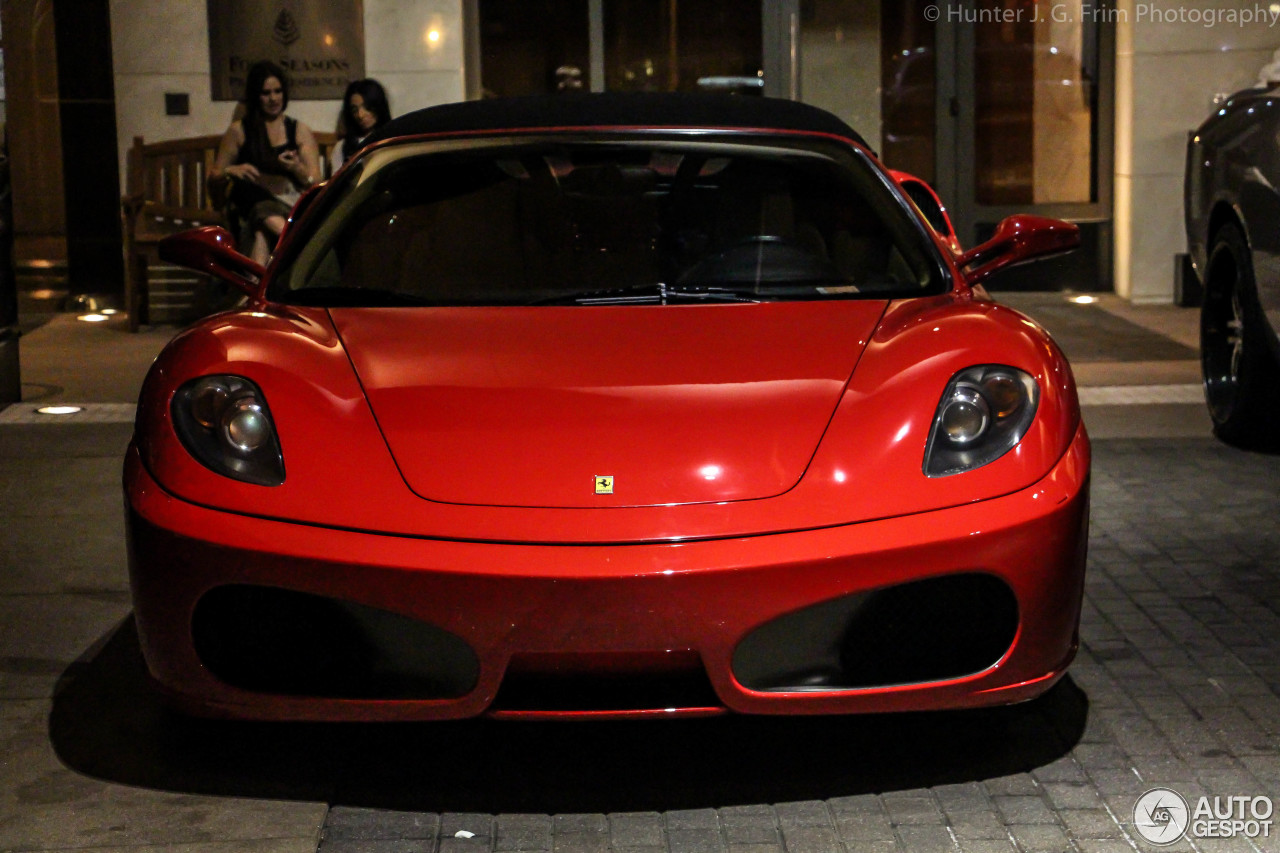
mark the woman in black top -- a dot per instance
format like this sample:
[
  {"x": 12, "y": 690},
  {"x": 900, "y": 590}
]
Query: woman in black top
[
  {"x": 270, "y": 156},
  {"x": 364, "y": 110}
]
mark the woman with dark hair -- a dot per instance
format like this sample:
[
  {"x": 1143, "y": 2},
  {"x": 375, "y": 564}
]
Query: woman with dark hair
[
  {"x": 270, "y": 158},
  {"x": 364, "y": 110}
]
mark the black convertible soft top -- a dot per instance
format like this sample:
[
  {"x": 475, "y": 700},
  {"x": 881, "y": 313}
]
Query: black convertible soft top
[{"x": 619, "y": 109}]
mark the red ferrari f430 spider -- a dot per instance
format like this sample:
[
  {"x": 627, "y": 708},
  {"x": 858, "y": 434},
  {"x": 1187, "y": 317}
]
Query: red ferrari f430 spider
[{"x": 614, "y": 406}]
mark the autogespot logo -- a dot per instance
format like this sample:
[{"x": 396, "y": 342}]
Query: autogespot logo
[{"x": 1161, "y": 816}]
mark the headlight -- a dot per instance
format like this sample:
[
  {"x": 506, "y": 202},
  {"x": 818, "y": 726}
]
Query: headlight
[
  {"x": 983, "y": 414},
  {"x": 224, "y": 422}
]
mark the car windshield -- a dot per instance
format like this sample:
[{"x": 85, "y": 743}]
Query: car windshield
[{"x": 586, "y": 222}]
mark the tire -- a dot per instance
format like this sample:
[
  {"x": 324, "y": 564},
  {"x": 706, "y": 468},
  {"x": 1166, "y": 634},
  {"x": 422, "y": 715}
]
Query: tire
[{"x": 1241, "y": 375}]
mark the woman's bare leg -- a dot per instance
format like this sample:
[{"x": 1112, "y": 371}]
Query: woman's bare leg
[
  {"x": 274, "y": 224},
  {"x": 264, "y": 239},
  {"x": 261, "y": 250}
]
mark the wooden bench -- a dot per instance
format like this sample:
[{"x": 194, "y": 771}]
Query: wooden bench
[{"x": 166, "y": 191}]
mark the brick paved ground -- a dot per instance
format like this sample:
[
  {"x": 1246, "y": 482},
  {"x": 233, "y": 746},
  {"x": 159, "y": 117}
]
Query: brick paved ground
[{"x": 1177, "y": 685}]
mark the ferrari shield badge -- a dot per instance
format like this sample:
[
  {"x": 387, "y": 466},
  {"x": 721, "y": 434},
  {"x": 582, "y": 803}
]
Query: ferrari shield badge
[{"x": 604, "y": 484}]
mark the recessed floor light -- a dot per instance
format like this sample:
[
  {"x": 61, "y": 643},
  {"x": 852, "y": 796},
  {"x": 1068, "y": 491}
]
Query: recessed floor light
[
  {"x": 58, "y": 410},
  {"x": 93, "y": 318},
  {"x": 1083, "y": 300}
]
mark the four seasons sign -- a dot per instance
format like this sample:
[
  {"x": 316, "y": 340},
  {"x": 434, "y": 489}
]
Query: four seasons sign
[{"x": 319, "y": 44}]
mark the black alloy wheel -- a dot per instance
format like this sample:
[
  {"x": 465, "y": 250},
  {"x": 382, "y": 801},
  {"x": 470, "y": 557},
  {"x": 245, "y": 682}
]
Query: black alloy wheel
[{"x": 1241, "y": 377}]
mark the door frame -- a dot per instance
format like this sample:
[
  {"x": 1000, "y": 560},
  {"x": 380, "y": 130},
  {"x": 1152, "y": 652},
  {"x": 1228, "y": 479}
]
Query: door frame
[
  {"x": 956, "y": 123},
  {"x": 955, "y": 118},
  {"x": 780, "y": 46}
]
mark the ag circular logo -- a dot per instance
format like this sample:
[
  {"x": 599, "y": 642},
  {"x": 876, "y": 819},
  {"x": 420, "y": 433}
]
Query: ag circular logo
[{"x": 1161, "y": 816}]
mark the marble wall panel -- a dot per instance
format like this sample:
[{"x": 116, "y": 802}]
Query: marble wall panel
[
  {"x": 159, "y": 38},
  {"x": 1178, "y": 26},
  {"x": 1174, "y": 93},
  {"x": 1155, "y": 237},
  {"x": 1122, "y": 234},
  {"x": 1169, "y": 67},
  {"x": 1124, "y": 114},
  {"x": 405, "y": 36},
  {"x": 412, "y": 90},
  {"x": 840, "y": 64}
]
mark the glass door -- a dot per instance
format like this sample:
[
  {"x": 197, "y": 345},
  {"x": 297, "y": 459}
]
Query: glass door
[
  {"x": 1002, "y": 105},
  {"x": 1034, "y": 106},
  {"x": 682, "y": 46},
  {"x": 527, "y": 47},
  {"x": 536, "y": 46}
]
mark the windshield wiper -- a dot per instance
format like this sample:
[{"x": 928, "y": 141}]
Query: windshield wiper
[
  {"x": 651, "y": 294},
  {"x": 877, "y": 287}
]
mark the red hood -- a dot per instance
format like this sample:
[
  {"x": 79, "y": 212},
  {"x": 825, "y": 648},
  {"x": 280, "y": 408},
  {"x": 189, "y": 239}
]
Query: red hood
[{"x": 528, "y": 406}]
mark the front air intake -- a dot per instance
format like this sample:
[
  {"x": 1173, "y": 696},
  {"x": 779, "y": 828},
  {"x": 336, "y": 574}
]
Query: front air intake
[
  {"x": 930, "y": 630},
  {"x": 279, "y": 641}
]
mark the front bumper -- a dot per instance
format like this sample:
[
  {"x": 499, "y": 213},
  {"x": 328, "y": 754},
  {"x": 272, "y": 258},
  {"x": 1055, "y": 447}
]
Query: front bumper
[{"x": 759, "y": 624}]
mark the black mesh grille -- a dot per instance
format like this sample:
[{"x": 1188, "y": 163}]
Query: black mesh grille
[
  {"x": 929, "y": 630},
  {"x": 292, "y": 643}
]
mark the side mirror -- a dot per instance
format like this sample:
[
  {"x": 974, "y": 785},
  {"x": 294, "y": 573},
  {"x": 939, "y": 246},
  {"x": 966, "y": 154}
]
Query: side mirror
[
  {"x": 1018, "y": 239},
  {"x": 212, "y": 250}
]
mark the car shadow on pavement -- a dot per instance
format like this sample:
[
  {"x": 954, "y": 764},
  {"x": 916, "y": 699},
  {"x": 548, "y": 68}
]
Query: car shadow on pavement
[{"x": 107, "y": 723}]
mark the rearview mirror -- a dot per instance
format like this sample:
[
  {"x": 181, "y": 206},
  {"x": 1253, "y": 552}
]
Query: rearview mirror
[
  {"x": 211, "y": 250},
  {"x": 1018, "y": 239}
]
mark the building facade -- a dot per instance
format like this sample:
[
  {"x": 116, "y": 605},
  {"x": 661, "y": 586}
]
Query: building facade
[{"x": 1073, "y": 109}]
